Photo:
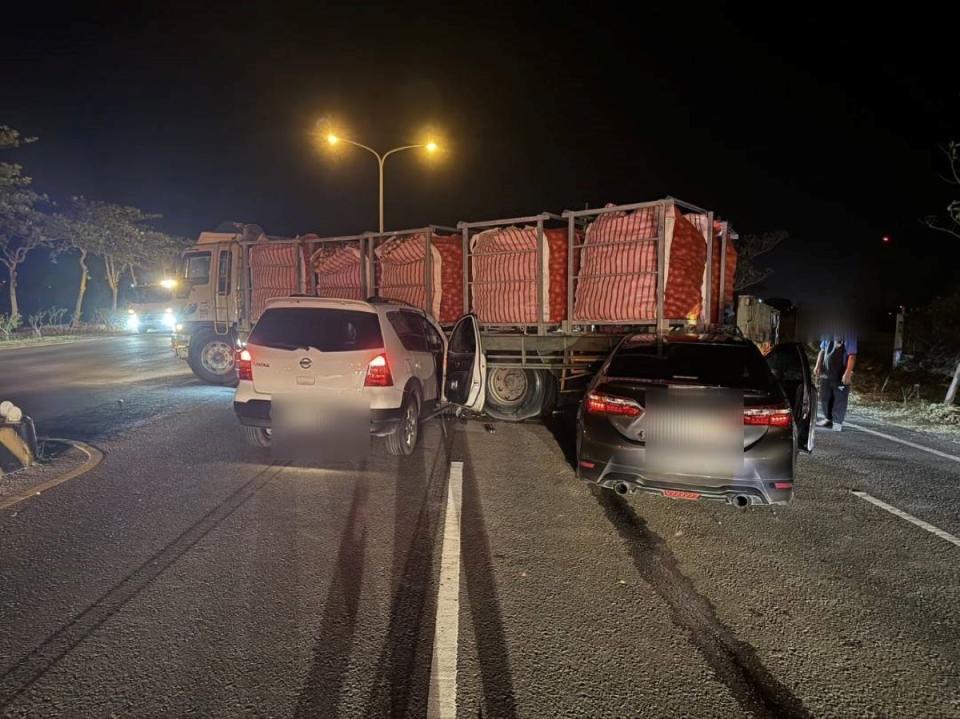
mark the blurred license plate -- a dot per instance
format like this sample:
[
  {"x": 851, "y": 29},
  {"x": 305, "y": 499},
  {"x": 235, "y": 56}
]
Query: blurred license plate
[
  {"x": 677, "y": 494},
  {"x": 315, "y": 427},
  {"x": 694, "y": 431}
]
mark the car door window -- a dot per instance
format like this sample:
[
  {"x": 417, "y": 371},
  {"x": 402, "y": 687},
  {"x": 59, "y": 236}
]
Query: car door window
[
  {"x": 409, "y": 329},
  {"x": 788, "y": 363},
  {"x": 433, "y": 338}
]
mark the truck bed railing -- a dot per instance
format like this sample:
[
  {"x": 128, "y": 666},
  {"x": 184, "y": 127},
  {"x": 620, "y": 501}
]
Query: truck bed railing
[
  {"x": 575, "y": 222},
  {"x": 469, "y": 229},
  {"x": 374, "y": 240}
]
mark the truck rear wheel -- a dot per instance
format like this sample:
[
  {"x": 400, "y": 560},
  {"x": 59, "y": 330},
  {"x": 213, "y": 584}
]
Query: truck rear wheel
[
  {"x": 212, "y": 357},
  {"x": 514, "y": 394}
]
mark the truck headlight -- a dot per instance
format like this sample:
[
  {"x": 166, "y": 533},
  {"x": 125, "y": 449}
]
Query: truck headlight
[
  {"x": 169, "y": 319},
  {"x": 133, "y": 322}
]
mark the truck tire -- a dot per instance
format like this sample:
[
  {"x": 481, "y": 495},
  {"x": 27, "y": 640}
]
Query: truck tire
[
  {"x": 403, "y": 440},
  {"x": 212, "y": 357},
  {"x": 256, "y": 436},
  {"x": 515, "y": 394}
]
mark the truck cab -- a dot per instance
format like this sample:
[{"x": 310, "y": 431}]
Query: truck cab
[{"x": 210, "y": 291}]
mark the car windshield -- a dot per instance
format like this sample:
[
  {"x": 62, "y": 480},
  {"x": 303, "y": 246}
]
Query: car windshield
[
  {"x": 325, "y": 329},
  {"x": 718, "y": 365}
]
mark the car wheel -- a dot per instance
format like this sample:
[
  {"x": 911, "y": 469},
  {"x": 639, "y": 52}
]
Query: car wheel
[
  {"x": 257, "y": 436},
  {"x": 403, "y": 440},
  {"x": 212, "y": 358}
]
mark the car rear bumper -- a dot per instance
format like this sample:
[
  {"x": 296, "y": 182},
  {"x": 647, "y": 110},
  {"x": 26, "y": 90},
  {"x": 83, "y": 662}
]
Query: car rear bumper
[
  {"x": 766, "y": 478},
  {"x": 256, "y": 413}
]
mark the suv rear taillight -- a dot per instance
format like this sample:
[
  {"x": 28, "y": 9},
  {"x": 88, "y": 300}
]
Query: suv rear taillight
[
  {"x": 378, "y": 372},
  {"x": 778, "y": 416},
  {"x": 244, "y": 365},
  {"x": 607, "y": 404}
]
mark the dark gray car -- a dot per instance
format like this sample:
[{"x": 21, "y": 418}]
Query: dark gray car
[{"x": 698, "y": 416}]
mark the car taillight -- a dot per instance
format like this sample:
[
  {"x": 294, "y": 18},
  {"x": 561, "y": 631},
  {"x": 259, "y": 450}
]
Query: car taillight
[
  {"x": 378, "y": 373},
  {"x": 244, "y": 365},
  {"x": 768, "y": 416},
  {"x": 598, "y": 403}
]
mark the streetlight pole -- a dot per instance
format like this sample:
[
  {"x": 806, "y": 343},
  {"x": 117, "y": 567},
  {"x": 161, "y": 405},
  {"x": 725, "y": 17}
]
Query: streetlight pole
[{"x": 381, "y": 158}]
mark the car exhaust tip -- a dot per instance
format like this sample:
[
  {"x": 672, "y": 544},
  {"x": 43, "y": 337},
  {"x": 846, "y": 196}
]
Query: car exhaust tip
[
  {"x": 621, "y": 488},
  {"x": 740, "y": 500}
]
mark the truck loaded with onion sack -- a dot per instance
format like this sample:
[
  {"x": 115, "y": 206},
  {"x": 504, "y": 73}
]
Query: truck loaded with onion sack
[{"x": 550, "y": 294}]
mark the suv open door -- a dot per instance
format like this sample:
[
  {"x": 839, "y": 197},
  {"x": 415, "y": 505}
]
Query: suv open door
[
  {"x": 466, "y": 367},
  {"x": 790, "y": 366}
]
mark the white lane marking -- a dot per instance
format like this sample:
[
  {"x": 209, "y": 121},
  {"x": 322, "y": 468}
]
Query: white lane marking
[
  {"x": 442, "y": 700},
  {"x": 921, "y": 447},
  {"x": 909, "y": 517}
]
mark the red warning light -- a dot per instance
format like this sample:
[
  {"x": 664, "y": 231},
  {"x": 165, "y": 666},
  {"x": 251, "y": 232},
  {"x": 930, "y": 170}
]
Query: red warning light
[{"x": 886, "y": 239}]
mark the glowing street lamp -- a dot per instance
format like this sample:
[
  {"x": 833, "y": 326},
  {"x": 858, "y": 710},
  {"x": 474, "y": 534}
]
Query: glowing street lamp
[{"x": 431, "y": 147}]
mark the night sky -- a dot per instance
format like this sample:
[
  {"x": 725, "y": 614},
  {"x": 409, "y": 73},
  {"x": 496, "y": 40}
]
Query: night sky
[{"x": 821, "y": 121}]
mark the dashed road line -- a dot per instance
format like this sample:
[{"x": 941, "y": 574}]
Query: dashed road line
[
  {"x": 908, "y": 443},
  {"x": 909, "y": 517},
  {"x": 442, "y": 700}
]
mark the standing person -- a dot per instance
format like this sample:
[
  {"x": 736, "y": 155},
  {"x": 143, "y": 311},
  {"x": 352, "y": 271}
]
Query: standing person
[{"x": 835, "y": 362}]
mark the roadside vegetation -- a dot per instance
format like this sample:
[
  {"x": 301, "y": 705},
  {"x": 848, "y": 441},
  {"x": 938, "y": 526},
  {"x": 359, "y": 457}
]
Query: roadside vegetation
[{"x": 123, "y": 241}]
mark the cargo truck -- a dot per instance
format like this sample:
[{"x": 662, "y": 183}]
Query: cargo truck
[{"x": 551, "y": 293}]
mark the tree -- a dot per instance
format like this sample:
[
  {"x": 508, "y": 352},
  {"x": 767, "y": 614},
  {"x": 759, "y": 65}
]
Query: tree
[
  {"x": 21, "y": 224},
  {"x": 115, "y": 233},
  {"x": 156, "y": 251},
  {"x": 119, "y": 235},
  {"x": 951, "y": 224},
  {"x": 71, "y": 232},
  {"x": 749, "y": 247}
]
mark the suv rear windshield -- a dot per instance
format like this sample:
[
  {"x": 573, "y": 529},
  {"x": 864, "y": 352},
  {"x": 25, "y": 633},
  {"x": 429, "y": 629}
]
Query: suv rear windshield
[
  {"x": 325, "y": 329},
  {"x": 717, "y": 365}
]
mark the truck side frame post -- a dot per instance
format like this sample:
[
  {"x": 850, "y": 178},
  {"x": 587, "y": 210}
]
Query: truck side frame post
[
  {"x": 466, "y": 267},
  {"x": 541, "y": 325},
  {"x": 571, "y": 241},
  {"x": 661, "y": 268},
  {"x": 721, "y": 303},
  {"x": 428, "y": 270},
  {"x": 706, "y": 314}
]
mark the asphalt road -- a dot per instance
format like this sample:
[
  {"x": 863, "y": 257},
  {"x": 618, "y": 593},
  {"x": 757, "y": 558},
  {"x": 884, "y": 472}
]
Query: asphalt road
[{"x": 190, "y": 576}]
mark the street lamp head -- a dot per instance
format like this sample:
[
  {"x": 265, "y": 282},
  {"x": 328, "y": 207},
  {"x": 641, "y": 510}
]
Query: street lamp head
[
  {"x": 432, "y": 146},
  {"x": 332, "y": 139}
]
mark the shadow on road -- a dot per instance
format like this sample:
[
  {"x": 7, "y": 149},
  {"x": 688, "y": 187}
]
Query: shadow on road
[
  {"x": 563, "y": 426},
  {"x": 403, "y": 667},
  {"x": 481, "y": 589},
  {"x": 333, "y": 640}
]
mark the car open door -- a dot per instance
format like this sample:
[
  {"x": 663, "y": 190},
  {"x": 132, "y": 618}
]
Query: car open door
[
  {"x": 792, "y": 370},
  {"x": 466, "y": 367}
]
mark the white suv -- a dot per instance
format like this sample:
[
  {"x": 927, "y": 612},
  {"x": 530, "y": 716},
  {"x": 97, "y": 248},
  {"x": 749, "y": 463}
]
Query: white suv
[{"x": 390, "y": 355}]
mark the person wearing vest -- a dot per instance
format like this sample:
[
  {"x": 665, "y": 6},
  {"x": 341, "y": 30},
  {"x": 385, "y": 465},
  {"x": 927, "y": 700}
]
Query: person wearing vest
[{"x": 838, "y": 355}]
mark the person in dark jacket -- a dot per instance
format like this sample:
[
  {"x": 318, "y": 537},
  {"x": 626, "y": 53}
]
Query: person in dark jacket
[{"x": 835, "y": 362}]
